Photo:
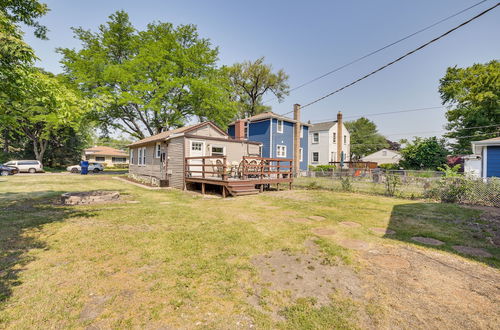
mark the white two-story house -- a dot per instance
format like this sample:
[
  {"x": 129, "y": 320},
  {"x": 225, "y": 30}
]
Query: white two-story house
[{"x": 327, "y": 140}]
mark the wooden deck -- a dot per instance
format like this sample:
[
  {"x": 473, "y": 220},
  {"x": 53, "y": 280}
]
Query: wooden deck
[{"x": 251, "y": 176}]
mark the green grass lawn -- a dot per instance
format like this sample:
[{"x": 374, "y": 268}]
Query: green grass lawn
[{"x": 179, "y": 260}]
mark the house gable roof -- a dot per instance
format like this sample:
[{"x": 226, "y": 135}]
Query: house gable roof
[
  {"x": 181, "y": 130},
  {"x": 269, "y": 115},
  {"x": 495, "y": 140},
  {"x": 323, "y": 126},
  {"x": 104, "y": 151}
]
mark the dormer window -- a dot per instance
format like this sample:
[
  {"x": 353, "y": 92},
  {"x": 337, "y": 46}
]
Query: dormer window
[{"x": 280, "y": 126}]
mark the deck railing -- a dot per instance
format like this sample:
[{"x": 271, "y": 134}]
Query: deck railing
[{"x": 250, "y": 167}]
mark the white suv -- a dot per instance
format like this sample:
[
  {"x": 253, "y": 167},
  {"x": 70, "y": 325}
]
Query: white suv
[
  {"x": 93, "y": 167},
  {"x": 30, "y": 166}
]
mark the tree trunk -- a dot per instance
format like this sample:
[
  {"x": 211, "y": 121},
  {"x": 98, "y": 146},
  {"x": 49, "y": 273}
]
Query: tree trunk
[{"x": 39, "y": 148}]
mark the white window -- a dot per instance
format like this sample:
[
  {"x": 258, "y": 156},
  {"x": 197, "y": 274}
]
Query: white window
[
  {"x": 196, "y": 146},
  {"x": 158, "y": 150},
  {"x": 144, "y": 156},
  {"x": 139, "y": 156},
  {"x": 315, "y": 157},
  {"x": 315, "y": 137},
  {"x": 301, "y": 131},
  {"x": 245, "y": 133},
  {"x": 217, "y": 151},
  {"x": 131, "y": 156},
  {"x": 301, "y": 154},
  {"x": 281, "y": 151},
  {"x": 280, "y": 126},
  {"x": 345, "y": 139},
  {"x": 334, "y": 137},
  {"x": 332, "y": 156}
]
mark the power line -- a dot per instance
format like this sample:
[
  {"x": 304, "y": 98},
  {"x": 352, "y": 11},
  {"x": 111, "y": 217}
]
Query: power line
[
  {"x": 380, "y": 49},
  {"x": 384, "y": 113},
  {"x": 382, "y": 144},
  {"x": 399, "y": 58},
  {"x": 443, "y": 131}
]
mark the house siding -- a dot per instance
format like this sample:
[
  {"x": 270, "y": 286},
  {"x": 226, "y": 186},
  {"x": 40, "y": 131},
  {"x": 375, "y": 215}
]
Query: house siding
[
  {"x": 304, "y": 144},
  {"x": 259, "y": 132},
  {"x": 175, "y": 154}
]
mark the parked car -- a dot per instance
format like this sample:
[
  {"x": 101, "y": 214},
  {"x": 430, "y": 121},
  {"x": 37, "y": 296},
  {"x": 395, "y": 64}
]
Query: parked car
[
  {"x": 29, "y": 166},
  {"x": 93, "y": 167},
  {"x": 8, "y": 170}
]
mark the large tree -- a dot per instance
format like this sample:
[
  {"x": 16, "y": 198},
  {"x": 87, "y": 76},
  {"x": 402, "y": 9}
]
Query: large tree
[
  {"x": 46, "y": 109},
  {"x": 365, "y": 138},
  {"x": 149, "y": 80},
  {"x": 473, "y": 98},
  {"x": 424, "y": 153},
  {"x": 251, "y": 81}
]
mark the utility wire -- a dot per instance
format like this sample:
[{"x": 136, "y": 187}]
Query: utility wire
[
  {"x": 382, "y": 113},
  {"x": 380, "y": 49},
  {"x": 443, "y": 131},
  {"x": 399, "y": 58}
]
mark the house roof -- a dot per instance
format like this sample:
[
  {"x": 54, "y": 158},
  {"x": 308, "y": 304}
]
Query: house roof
[
  {"x": 495, "y": 140},
  {"x": 104, "y": 151},
  {"x": 323, "y": 126},
  {"x": 164, "y": 135},
  {"x": 270, "y": 114}
]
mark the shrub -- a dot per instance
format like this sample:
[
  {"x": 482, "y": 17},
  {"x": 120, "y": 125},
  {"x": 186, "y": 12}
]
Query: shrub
[
  {"x": 392, "y": 181},
  {"x": 346, "y": 183},
  {"x": 389, "y": 166},
  {"x": 451, "y": 189},
  {"x": 322, "y": 168}
]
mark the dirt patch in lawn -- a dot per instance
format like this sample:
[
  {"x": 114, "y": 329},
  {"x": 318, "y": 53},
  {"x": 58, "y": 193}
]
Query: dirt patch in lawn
[
  {"x": 427, "y": 240},
  {"x": 354, "y": 244},
  {"x": 417, "y": 288},
  {"x": 301, "y": 275},
  {"x": 291, "y": 194},
  {"x": 472, "y": 251},
  {"x": 381, "y": 230},
  {"x": 316, "y": 217},
  {"x": 323, "y": 231}
]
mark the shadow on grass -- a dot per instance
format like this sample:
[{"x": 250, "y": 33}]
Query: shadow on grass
[
  {"x": 451, "y": 224},
  {"x": 20, "y": 212}
]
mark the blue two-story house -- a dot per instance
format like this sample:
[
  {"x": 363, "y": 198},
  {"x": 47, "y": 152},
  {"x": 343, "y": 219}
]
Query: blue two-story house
[{"x": 275, "y": 132}]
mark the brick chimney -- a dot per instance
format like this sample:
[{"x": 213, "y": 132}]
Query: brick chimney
[
  {"x": 239, "y": 129},
  {"x": 340, "y": 137},
  {"x": 296, "y": 139}
]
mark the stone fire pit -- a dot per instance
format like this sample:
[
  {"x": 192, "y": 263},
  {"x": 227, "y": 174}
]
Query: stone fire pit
[{"x": 89, "y": 197}]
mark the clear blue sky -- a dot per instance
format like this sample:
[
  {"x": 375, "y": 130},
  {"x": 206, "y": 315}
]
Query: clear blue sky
[{"x": 309, "y": 38}]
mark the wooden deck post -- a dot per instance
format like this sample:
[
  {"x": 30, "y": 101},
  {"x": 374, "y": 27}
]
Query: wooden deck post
[
  {"x": 203, "y": 188},
  {"x": 203, "y": 167},
  {"x": 223, "y": 191}
]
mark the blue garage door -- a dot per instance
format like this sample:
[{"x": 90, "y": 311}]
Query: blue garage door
[{"x": 493, "y": 161}]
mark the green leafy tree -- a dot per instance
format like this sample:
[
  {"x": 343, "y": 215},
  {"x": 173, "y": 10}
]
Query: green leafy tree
[
  {"x": 251, "y": 81},
  {"x": 47, "y": 107},
  {"x": 365, "y": 138},
  {"x": 424, "y": 153},
  {"x": 149, "y": 80},
  {"x": 473, "y": 98}
]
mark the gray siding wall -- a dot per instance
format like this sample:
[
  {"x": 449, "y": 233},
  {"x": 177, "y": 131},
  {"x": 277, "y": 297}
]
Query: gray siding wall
[
  {"x": 153, "y": 165},
  {"x": 207, "y": 130},
  {"x": 175, "y": 156}
]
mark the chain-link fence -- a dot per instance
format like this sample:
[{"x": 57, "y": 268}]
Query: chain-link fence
[{"x": 406, "y": 184}]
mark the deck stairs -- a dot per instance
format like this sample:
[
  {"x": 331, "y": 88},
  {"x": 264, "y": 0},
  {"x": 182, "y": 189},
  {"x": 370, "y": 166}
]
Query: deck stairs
[{"x": 242, "y": 188}]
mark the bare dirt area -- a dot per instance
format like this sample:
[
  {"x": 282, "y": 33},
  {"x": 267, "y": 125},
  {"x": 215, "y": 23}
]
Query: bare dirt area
[
  {"x": 488, "y": 225},
  {"x": 428, "y": 289},
  {"x": 410, "y": 287}
]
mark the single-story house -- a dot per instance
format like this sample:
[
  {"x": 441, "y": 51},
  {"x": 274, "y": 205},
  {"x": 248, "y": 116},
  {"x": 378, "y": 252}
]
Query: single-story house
[
  {"x": 106, "y": 155},
  {"x": 161, "y": 159},
  {"x": 485, "y": 160},
  {"x": 383, "y": 156}
]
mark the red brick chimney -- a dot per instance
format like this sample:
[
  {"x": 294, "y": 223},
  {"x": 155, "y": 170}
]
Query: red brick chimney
[{"x": 239, "y": 129}]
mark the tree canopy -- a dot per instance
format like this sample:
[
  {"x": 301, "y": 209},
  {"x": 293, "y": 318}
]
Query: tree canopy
[
  {"x": 473, "y": 98},
  {"x": 251, "y": 81},
  {"x": 149, "y": 80},
  {"x": 424, "y": 153},
  {"x": 365, "y": 138}
]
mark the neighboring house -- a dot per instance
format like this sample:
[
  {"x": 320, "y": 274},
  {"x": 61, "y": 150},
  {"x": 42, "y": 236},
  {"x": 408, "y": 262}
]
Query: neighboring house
[
  {"x": 327, "y": 140},
  {"x": 277, "y": 135},
  {"x": 485, "y": 162},
  {"x": 383, "y": 156},
  {"x": 160, "y": 159},
  {"x": 105, "y": 155}
]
